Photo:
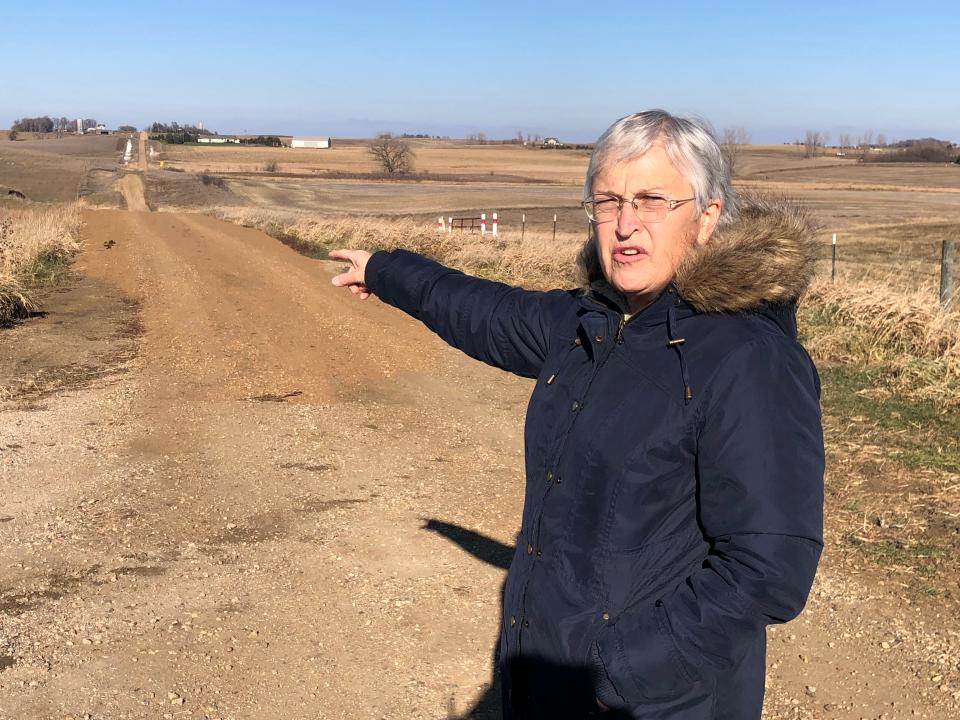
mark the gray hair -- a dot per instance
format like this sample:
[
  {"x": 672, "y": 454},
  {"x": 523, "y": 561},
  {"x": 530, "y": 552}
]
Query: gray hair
[{"x": 690, "y": 145}]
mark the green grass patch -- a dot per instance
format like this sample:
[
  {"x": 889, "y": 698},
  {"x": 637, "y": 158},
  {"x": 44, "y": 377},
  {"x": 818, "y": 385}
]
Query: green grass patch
[
  {"x": 887, "y": 552},
  {"x": 916, "y": 433}
]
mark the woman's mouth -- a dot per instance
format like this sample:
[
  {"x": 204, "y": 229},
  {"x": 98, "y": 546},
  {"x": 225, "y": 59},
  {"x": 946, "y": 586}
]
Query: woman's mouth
[{"x": 629, "y": 254}]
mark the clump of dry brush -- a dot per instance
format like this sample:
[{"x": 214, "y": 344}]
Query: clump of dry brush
[
  {"x": 34, "y": 242},
  {"x": 904, "y": 335}
]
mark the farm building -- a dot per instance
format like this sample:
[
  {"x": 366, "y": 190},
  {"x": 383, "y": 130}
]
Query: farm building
[{"x": 310, "y": 142}]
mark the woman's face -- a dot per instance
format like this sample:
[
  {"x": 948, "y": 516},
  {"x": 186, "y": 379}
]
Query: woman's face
[{"x": 640, "y": 258}]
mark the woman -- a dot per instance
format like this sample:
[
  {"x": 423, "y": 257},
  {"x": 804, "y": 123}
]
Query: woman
[{"x": 674, "y": 454}]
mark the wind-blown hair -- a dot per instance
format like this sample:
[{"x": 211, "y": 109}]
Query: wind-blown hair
[{"x": 690, "y": 145}]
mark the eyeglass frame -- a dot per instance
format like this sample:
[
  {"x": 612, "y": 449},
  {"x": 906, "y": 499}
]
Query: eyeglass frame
[{"x": 672, "y": 204}]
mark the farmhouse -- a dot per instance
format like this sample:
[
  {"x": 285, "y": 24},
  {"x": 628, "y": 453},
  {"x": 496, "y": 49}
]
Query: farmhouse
[
  {"x": 552, "y": 142},
  {"x": 310, "y": 142},
  {"x": 217, "y": 139}
]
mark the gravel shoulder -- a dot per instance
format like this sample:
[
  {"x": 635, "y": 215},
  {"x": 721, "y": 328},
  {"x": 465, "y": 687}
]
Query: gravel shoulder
[{"x": 228, "y": 490}]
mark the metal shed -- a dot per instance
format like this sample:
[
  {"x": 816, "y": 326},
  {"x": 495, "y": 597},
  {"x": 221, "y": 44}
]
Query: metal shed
[{"x": 310, "y": 142}]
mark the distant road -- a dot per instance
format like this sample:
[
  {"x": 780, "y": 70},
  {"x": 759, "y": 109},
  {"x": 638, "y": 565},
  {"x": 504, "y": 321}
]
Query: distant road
[{"x": 142, "y": 152}]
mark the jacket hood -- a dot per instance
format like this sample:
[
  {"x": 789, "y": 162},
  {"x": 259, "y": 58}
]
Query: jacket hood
[{"x": 766, "y": 258}]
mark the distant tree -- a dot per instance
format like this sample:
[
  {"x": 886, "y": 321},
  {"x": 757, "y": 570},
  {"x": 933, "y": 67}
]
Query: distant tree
[
  {"x": 881, "y": 140},
  {"x": 12, "y": 135},
  {"x": 734, "y": 140},
  {"x": 813, "y": 141},
  {"x": 519, "y": 139},
  {"x": 393, "y": 154},
  {"x": 844, "y": 141},
  {"x": 127, "y": 128},
  {"x": 89, "y": 123},
  {"x": 865, "y": 143}
]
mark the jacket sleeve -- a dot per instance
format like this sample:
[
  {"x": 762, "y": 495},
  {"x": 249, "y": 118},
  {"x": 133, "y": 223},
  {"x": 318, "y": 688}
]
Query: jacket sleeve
[
  {"x": 760, "y": 482},
  {"x": 503, "y": 326}
]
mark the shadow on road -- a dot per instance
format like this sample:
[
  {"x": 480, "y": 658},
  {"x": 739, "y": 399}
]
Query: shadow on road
[
  {"x": 572, "y": 695},
  {"x": 492, "y": 552}
]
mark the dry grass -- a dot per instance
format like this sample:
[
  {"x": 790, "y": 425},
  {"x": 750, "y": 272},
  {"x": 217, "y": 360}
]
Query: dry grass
[
  {"x": 903, "y": 335},
  {"x": 536, "y": 261},
  {"x": 34, "y": 243}
]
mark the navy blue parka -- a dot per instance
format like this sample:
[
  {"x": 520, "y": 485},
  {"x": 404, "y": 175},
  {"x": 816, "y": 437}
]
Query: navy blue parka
[{"x": 674, "y": 473}]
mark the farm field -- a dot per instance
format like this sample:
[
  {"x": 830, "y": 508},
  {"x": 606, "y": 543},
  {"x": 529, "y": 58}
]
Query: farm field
[
  {"x": 432, "y": 156},
  {"x": 59, "y": 170},
  {"x": 229, "y": 490}
]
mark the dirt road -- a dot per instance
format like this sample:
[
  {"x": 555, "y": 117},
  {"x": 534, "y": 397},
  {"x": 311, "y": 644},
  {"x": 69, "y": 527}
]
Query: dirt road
[
  {"x": 230, "y": 490},
  {"x": 142, "y": 151}
]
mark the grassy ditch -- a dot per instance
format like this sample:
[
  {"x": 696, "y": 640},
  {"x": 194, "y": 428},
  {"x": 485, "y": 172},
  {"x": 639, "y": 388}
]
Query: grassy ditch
[
  {"x": 36, "y": 245},
  {"x": 536, "y": 261},
  {"x": 889, "y": 361}
]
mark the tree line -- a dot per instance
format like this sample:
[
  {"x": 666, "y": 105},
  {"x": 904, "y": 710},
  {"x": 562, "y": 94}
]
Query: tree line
[
  {"x": 175, "y": 127},
  {"x": 174, "y": 133},
  {"x": 918, "y": 150},
  {"x": 880, "y": 150},
  {"x": 47, "y": 124}
]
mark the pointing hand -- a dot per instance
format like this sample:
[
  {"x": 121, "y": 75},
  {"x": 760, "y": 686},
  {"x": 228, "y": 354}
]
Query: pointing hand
[{"x": 353, "y": 277}]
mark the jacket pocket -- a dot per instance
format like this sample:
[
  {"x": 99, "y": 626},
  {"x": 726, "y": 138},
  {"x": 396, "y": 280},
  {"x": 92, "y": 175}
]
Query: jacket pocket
[
  {"x": 640, "y": 660},
  {"x": 603, "y": 687}
]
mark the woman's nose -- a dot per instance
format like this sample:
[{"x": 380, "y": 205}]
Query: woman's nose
[{"x": 627, "y": 221}]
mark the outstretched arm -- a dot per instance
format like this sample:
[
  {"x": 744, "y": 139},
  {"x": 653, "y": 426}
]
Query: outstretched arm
[{"x": 503, "y": 326}]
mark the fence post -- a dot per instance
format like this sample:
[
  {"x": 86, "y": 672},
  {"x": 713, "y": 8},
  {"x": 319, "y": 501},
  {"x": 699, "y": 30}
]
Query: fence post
[
  {"x": 523, "y": 225},
  {"x": 554, "y": 227},
  {"x": 946, "y": 273},
  {"x": 833, "y": 271}
]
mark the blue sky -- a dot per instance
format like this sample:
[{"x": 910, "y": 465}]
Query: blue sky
[{"x": 560, "y": 68}]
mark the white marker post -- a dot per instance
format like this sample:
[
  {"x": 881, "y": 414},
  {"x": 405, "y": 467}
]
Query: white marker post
[
  {"x": 494, "y": 224},
  {"x": 440, "y": 227},
  {"x": 483, "y": 224},
  {"x": 523, "y": 225},
  {"x": 833, "y": 271},
  {"x": 449, "y": 224}
]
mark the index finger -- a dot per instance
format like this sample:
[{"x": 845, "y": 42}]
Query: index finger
[{"x": 343, "y": 254}]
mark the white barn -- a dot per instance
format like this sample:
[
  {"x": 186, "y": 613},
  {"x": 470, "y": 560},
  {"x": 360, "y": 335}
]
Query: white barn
[{"x": 310, "y": 142}]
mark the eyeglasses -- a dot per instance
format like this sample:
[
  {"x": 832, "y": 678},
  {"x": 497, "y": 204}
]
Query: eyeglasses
[{"x": 649, "y": 208}]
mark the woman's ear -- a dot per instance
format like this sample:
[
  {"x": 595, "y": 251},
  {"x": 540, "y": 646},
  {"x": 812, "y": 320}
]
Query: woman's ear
[{"x": 708, "y": 221}]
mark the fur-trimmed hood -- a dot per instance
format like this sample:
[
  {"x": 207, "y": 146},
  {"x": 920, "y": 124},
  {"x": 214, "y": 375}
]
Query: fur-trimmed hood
[{"x": 766, "y": 257}]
